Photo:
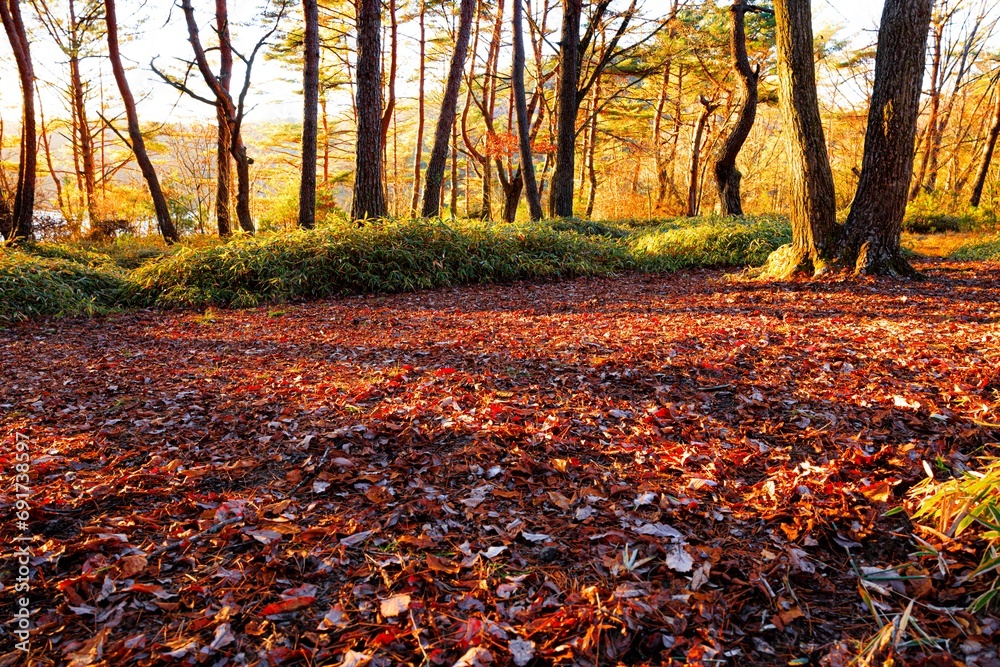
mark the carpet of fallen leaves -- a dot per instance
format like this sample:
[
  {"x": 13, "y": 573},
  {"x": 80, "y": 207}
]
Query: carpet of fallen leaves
[{"x": 641, "y": 470}]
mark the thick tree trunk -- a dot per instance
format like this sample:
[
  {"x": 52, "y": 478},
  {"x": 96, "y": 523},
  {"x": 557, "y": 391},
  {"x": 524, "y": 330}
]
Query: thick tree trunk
[
  {"x": 369, "y": 188},
  {"x": 695, "y": 167},
  {"x": 874, "y": 225},
  {"x": 727, "y": 176},
  {"x": 984, "y": 168},
  {"x": 814, "y": 205},
  {"x": 24, "y": 196},
  {"x": 419, "y": 150},
  {"x": 523, "y": 124},
  {"x": 512, "y": 190},
  {"x": 166, "y": 225},
  {"x": 439, "y": 154},
  {"x": 561, "y": 189},
  {"x": 310, "y": 115}
]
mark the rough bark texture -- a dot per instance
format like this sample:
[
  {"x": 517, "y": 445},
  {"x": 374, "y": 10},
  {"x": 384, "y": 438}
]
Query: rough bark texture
[
  {"x": 523, "y": 124},
  {"x": 22, "y": 227},
  {"x": 310, "y": 115},
  {"x": 561, "y": 191},
  {"x": 224, "y": 164},
  {"x": 166, "y": 225},
  {"x": 369, "y": 188},
  {"x": 814, "y": 207},
  {"x": 984, "y": 167},
  {"x": 875, "y": 222},
  {"x": 434, "y": 178},
  {"x": 727, "y": 176}
]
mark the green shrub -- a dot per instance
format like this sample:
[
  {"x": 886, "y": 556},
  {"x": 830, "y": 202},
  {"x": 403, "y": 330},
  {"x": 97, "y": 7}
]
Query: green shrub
[
  {"x": 939, "y": 212},
  {"x": 33, "y": 286},
  {"x": 985, "y": 250},
  {"x": 710, "y": 243}
]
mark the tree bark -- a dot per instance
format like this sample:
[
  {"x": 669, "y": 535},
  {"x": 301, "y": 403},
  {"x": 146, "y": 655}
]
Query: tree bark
[
  {"x": 421, "y": 98},
  {"x": 434, "y": 178},
  {"x": 166, "y": 225},
  {"x": 727, "y": 176},
  {"x": 390, "y": 102},
  {"x": 224, "y": 165},
  {"x": 693, "y": 172},
  {"x": 24, "y": 195},
  {"x": 310, "y": 115},
  {"x": 561, "y": 189},
  {"x": 369, "y": 186},
  {"x": 990, "y": 149},
  {"x": 874, "y": 225},
  {"x": 814, "y": 206},
  {"x": 523, "y": 124}
]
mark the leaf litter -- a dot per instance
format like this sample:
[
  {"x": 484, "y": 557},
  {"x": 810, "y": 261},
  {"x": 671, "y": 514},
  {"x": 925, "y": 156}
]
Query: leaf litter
[{"x": 643, "y": 470}]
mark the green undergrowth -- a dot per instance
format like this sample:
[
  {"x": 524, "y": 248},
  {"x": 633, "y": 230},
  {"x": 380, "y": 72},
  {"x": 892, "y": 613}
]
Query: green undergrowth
[
  {"x": 392, "y": 256},
  {"x": 984, "y": 250}
]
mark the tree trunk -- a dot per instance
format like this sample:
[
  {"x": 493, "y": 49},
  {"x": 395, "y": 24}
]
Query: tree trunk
[
  {"x": 24, "y": 196},
  {"x": 44, "y": 136},
  {"x": 592, "y": 152},
  {"x": 875, "y": 222},
  {"x": 369, "y": 188},
  {"x": 523, "y": 124},
  {"x": 310, "y": 115},
  {"x": 439, "y": 154},
  {"x": 693, "y": 172},
  {"x": 224, "y": 165},
  {"x": 984, "y": 169},
  {"x": 83, "y": 129},
  {"x": 390, "y": 102},
  {"x": 418, "y": 151},
  {"x": 512, "y": 190},
  {"x": 561, "y": 189},
  {"x": 727, "y": 176},
  {"x": 453, "y": 204},
  {"x": 166, "y": 225},
  {"x": 814, "y": 205}
]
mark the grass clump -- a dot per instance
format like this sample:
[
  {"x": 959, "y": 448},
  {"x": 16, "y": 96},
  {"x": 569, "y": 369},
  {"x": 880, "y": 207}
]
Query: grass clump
[
  {"x": 984, "y": 250},
  {"x": 710, "y": 243},
  {"x": 38, "y": 286}
]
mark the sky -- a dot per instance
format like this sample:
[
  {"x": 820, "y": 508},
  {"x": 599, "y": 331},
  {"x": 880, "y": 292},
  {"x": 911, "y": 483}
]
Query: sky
[{"x": 158, "y": 31}]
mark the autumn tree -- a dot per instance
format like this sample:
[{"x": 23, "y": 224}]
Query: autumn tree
[
  {"x": 521, "y": 109},
  {"x": 136, "y": 141},
  {"x": 727, "y": 176},
  {"x": 813, "y": 205},
  {"x": 21, "y": 225},
  {"x": 434, "y": 177},
  {"x": 987, "y": 159},
  {"x": 310, "y": 89},
  {"x": 369, "y": 185},
  {"x": 873, "y": 227}
]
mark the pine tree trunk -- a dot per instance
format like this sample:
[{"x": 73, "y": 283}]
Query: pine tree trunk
[
  {"x": 166, "y": 225},
  {"x": 874, "y": 225},
  {"x": 419, "y": 150},
  {"x": 695, "y": 167},
  {"x": 727, "y": 176},
  {"x": 984, "y": 168},
  {"x": 434, "y": 178},
  {"x": 24, "y": 196},
  {"x": 561, "y": 188},
  {"x": 369, "y": 189},
  {"x": 814, "y": 205},
  {"x": 521, "y": 109},
  {"x": 310, "y": 115}
]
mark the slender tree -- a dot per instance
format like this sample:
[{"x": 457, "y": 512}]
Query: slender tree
[
  {"x": 727, "y": 176},
  {"x": 708, "y": 107},
  {"x": 310, "y": 115},
  {"x": 224, "y": 135},
  {"x": 523, "y": 123},
  {"x": 22, "y": 227},
  {"x": 434, "y": 178},
  {"x": 988, "y": 151},
  {"x": 814, "y": 206},
  {"x": 418, "y": 151},
  {"x": 873, "y": 228},
  {"x": 138, "y": 144},
  {"x": 369, "y": 186}
]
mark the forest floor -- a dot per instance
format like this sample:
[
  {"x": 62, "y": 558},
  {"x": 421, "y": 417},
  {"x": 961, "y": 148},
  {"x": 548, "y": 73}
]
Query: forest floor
[{"x": 674, "y": 469}]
